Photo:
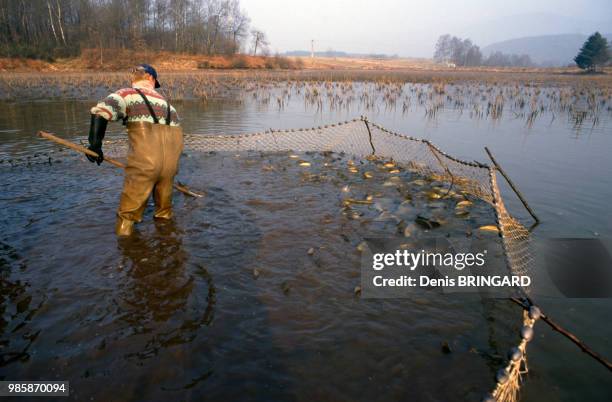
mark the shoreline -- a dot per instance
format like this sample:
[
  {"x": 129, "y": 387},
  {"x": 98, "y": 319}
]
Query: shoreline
[
  {"x": 117, "y": 61},
  {"x": 540, "y": 77}
]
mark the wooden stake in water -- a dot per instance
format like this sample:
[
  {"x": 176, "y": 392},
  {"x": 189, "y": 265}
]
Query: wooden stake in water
[{"x": 48, "y": 136}]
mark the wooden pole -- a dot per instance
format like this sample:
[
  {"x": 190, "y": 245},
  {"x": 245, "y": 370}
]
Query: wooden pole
[
  {"x": 365, "y": 120},
  {"x": 48, "y": 136},
  {"x": 512, "y": 185}
]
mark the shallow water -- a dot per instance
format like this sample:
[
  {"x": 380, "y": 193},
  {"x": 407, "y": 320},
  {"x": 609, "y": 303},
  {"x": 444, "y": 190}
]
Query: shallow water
[{"x": 178, "y": 312}]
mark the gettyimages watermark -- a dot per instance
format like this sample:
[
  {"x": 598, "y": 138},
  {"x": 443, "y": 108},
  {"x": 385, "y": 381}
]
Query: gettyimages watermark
[{"x": 401, "y": 267}]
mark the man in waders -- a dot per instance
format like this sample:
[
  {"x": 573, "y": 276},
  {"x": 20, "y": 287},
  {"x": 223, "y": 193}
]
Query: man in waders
[{"x": 155, "y": 146}]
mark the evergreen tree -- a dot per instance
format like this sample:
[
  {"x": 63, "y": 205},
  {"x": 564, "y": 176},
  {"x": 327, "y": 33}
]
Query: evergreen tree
[{"x": 593, "y": 53}]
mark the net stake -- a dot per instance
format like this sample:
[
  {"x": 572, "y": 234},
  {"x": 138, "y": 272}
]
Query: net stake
[
  {"x": 512, "y": 185},
  {"x": 48, "y": 136},
  {"x": 365, "y": 120}
]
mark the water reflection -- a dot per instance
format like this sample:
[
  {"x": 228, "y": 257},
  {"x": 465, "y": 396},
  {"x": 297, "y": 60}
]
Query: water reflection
[{"x": 158, "y": 288}]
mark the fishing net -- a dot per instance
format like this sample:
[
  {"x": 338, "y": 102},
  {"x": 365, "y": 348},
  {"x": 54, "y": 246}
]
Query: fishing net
[
  {"x": 365, "y": 139},
  {"x": 362, "y": 138}
]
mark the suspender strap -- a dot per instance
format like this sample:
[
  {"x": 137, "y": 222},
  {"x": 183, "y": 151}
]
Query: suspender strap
[
  {"x": 146, "y": 101},
  {"x": 168, "y": 114}
]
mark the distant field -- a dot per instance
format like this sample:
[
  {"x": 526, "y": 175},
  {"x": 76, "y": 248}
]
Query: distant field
[{"x": 118, "y": 60}]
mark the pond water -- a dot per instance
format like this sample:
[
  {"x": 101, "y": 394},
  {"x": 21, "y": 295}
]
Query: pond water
[{"x": 179, "y": 312}]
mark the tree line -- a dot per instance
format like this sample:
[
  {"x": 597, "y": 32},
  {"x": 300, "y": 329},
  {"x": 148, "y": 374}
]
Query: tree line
[
  {"x": 462, "y": 52},
  {"x": 63, "y": 28}
]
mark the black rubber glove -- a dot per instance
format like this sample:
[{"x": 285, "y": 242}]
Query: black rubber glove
[{"x": 97, "y": 129}]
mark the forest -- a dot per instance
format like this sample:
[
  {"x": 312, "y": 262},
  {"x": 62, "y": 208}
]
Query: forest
[
  {"x": 462, "y": 52},
  {"x": 49, "y": 29}
]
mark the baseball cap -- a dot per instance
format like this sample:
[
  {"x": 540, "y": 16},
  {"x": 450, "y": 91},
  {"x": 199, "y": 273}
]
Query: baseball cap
[{"x": 147, "y": 68}]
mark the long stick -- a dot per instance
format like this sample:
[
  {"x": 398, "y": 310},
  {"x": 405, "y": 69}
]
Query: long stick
[
  {"x": 43, "y": 134},
  {"x": 518, "y": 193},
  {"x": 569, "y": 336},
  {"x": 365, "y": 120}
]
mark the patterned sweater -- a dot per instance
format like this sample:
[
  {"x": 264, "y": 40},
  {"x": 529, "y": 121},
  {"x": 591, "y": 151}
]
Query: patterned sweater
[{"x": 128, "y": 102}]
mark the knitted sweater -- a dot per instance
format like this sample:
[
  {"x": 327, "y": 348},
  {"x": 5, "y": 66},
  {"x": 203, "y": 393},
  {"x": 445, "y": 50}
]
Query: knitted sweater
[{"x": 128, "y": 102}]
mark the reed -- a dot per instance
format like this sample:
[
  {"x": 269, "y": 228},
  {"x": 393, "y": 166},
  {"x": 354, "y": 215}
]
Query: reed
[{"x": 489, "y": 96}]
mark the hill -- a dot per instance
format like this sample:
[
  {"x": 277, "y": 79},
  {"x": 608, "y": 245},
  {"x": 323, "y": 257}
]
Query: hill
[{"x": 547, "y": 50}]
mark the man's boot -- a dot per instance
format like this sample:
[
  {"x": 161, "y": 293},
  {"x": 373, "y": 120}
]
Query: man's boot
[{"x": 124, "y": 227}]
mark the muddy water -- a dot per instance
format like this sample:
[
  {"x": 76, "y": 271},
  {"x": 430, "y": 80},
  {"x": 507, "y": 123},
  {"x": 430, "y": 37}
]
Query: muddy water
[{"x": 179, "y": 312}]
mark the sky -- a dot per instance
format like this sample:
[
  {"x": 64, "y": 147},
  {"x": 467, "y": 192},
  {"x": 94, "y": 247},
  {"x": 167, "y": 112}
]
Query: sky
[{"x": 410, "y": 28}]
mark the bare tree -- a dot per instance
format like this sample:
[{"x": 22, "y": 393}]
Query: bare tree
[
  {"x": 238, "y": 25},
  {"x": 59, "y": 21},
  {"x": 51, "y": 21},
  {"x": 258, "y": 37},
  {"x": 442, "y": 51},
  {"x": 462, "y": 52}
]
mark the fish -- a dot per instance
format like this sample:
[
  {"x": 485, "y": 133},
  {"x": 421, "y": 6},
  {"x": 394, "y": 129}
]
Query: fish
[
  {"x": 489, "y": 228},
  {"x": 463, "y": 204},
  {"x": 304, "y": 164},
  {"x": 432, "y": 195},
  {"x": 348, "y": 201},
  {"x": 410, "y": 229},
  {"x": 427, "y": 223},
  {"x": 389, "y": 165},
  {"x": 367, "y": 175},
  {"x": 462, "y": 213}
]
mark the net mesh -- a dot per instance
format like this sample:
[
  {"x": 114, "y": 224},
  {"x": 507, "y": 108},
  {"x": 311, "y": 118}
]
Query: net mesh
[{"x": 363, "y": 138}]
